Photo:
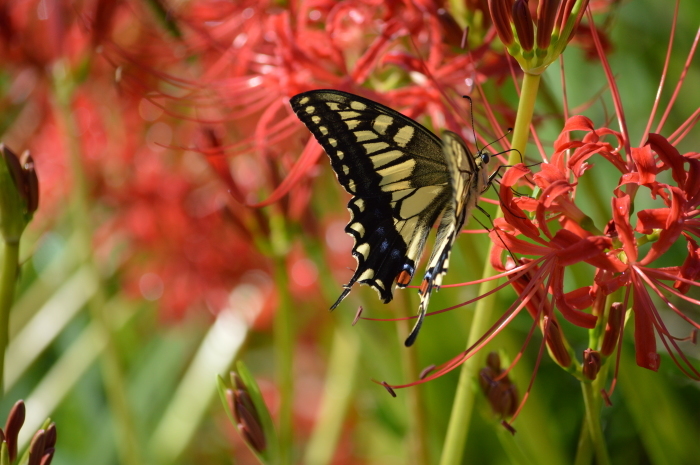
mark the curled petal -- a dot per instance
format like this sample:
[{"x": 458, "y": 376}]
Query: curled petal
[
  {"x": 690, "y": 269},
  {"x": 572, "y": 315},
  {"x": 575, "y": 249},
  {"x": 512, "y": 212},
  {"x": 608, "y": 282},
  {"x": 645, "y": 163},
  {"x": 586, "y": 151},
  {"x": 549, "y": 196},
  {"x": 548, "y": 174},
  {"x": 621, "y": 216},
  {"x": 644, "y": 337},
  {"x": 648, "y": 220},
  {"x": 579, "y": 298},
  {"x": 670, "y": 156},
  {"x": 692, "y": 185},
  {"x": 575, "y": 123},
  {"x": 671, "y": 230}
]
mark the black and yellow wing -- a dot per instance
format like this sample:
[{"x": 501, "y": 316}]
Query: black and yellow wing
[
  {"x": 400, "y": 181},
  {"x": 467, "y": 181}
]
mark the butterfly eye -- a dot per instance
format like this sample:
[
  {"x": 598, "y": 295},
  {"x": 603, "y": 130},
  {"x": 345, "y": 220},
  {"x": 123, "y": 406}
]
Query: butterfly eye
[{"x": 485, "y": 157}]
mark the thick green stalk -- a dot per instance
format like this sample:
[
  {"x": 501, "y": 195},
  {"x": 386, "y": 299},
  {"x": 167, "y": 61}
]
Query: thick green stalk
[
  {"x": 418, "y": 435},
  {"x": 343, "y": 365},
  {"x": 592, "y": 402},
  {"x": 463, "y": 405},
  {"x": 284, "y": 356},
  {"x": 8, "y": 282}
]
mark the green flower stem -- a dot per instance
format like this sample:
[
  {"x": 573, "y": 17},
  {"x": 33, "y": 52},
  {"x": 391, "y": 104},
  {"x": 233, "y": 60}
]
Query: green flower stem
[
  {"x": 592, "y": 402},
  {"x": 526, "y": 108},
  {"x": 338, "y": 392},
  {"x": 463, "y": 405},
  {"x": 418, "y": 435},
  {"x": 584, "y": 452},
  {"x": 8, "y": 282},
  {"x": 127, "y": 444},
  {"x": 284, "y": 355}
]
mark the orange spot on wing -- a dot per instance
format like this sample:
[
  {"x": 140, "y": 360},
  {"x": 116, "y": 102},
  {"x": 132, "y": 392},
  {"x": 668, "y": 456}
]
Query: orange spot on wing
[
  {"x": 403, "y": 279},
  {"x": 424, "y": 286}
]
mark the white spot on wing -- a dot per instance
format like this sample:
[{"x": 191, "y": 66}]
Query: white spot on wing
[
  {"x": 404, "y": 135},
  {"x": 358, "y": 228},
  {"x": 363, "y": 136},
  {"x": 363, "y": 249},
  {"x": 384, "y": 158},
  {"x": 355, "y": 105},
  {"x": 310, "y": 109},
  {"x": 375, "y": 146},
  {"x": 381, "y": 123},
  {"x": 419, "y": 201},
  {"x": 396, "y": 173},
  {"x": 348, "y": 114},
  {"x": 367, "y": 274}
]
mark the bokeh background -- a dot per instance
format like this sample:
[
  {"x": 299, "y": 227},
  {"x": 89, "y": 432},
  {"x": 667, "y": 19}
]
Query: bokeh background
[{"x": 144, "y": 275}]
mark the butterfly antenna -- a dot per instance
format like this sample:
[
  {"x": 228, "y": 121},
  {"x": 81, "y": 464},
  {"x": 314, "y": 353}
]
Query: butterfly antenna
[{"x": 471, "y": 117}]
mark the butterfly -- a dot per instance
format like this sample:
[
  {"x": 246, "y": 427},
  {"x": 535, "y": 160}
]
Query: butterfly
[{"x": 402, "y": 178}]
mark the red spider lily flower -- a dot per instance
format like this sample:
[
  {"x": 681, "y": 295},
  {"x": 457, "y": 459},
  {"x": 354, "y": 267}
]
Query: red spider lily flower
[{"x": 616, "y": 254}]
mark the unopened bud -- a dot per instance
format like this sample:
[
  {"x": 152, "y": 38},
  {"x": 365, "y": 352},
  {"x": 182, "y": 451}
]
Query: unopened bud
[
  {"x": 501, "y": 393},
  {"x": 591, "y": 363},
  {"x": 501, "y": 17},
  {"x": 248, "y": 420},
  {"x": 546, "y": 17},
  {"x": 36, "y": 448},
  {"x": 522, "y": 20},
  {"x": 14, "y": 423},
  {"x": 557, "y": 346},
  {"x": 612, "y": 329}
]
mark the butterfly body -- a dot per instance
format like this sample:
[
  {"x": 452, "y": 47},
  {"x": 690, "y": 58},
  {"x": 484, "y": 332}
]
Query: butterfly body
[{"x": 402, "y": 178}]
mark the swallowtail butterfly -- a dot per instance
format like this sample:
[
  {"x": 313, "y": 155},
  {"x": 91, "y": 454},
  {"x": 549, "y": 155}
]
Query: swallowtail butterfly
[{"x": 402, "y": 178}]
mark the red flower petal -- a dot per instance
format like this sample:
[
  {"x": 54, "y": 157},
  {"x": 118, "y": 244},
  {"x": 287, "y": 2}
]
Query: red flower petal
[
  {"x": 621, "y": 216},
  {"x": 691, "y": 266},
  {"x": 670, "y": 156},
  {"x": 671, "y": 230},
  {"x": 644, "y": 337},
  {"x": 646, "y": 164}
]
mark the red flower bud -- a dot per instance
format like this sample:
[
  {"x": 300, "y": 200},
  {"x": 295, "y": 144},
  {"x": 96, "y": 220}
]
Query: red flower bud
[
  {"x": 522, "y": 20},
  {"x": 591, "y": 363}
]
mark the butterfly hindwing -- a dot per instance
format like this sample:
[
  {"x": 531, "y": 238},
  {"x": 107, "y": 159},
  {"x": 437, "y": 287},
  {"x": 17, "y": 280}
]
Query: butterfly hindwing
[
  {"x": 395, "y": 170},
  {"x": 468, "y": 180}
]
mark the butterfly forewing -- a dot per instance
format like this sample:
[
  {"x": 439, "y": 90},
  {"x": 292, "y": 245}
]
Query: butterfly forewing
[{"x": 395, "y": 170}]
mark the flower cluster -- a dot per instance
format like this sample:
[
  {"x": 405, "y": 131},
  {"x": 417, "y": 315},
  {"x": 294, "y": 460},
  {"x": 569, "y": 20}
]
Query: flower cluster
[{"x": 556, "y": 232}]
